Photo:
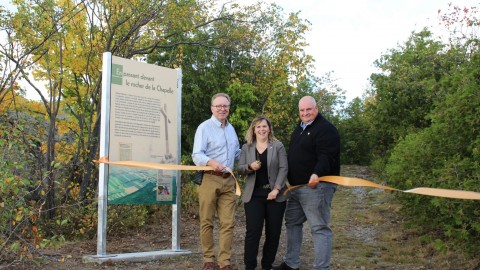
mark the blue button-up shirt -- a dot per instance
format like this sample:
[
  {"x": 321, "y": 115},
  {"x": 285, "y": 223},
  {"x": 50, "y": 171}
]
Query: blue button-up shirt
[{"x": 214, "y": 141}]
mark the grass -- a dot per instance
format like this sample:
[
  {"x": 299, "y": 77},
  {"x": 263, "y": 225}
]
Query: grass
[{"x": 370, "y": 233}]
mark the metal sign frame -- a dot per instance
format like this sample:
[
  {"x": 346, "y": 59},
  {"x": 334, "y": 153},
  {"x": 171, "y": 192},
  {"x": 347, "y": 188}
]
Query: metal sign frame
[{"x": 102, "y": 255}]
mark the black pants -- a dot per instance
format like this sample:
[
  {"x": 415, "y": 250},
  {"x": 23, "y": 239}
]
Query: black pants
[{"x": 257, "y": 211}]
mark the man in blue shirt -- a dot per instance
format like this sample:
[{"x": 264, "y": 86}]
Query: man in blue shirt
[{"x": 216, "y": 144}]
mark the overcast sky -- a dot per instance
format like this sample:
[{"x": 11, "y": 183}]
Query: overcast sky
[{"x": 346, "y": 37}]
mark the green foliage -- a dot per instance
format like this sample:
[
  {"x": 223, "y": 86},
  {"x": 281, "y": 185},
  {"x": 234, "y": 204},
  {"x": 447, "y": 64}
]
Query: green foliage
[
  {"x": 418, "y": 127},
  {"x": 127, "y": 218},
  {"x": 406, "y": 90},
  {"x": 257, "y": 65},
  {"x": 77, "y": 221},
  {"x": 19, "y": 211},
  {"x": 242, "y": 112},
  {"x": 445, "y": 155},
  {"x": 189, "y": 195},
  {"x": 354, "y": 135},
  {"x": 422, "y": 112}
]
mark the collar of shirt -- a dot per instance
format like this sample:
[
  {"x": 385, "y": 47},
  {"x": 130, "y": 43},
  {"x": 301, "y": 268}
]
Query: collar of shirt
[
  {"x": 217, "y": 122},
  {"x": 305, "y": 125}
]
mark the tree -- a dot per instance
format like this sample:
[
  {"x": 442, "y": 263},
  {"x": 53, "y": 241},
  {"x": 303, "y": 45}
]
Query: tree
[
  {"x": 406, "y": 90},
  {"x": 257, "y": 65},
  {"x": 62, "y": 42},
  {"x": 354, "y": 134},
  {"x": 445, "y": 153},
  {"x": 55, "y": 48},
  {"x": 56, "y": 45}
]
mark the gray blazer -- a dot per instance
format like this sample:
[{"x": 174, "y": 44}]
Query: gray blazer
[{"x": 277, "y": 168}]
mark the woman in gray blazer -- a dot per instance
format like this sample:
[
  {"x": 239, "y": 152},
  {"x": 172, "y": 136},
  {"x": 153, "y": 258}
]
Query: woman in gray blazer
[{"x": 263, "y": 160}]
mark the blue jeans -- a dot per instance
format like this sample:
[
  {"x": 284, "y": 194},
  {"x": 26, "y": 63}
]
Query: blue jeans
[{"x": 312, "y": 205}]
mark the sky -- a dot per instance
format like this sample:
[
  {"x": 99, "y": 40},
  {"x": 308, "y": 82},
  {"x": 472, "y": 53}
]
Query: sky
[{"x": 346, "y": 37}]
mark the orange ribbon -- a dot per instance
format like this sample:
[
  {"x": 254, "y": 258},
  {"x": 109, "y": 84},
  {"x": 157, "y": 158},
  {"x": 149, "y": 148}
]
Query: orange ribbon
[
  {"x": 437, "y": 192},
  {"x": 160, "y": 166}
]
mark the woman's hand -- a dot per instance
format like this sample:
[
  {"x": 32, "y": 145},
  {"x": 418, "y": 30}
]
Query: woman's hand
[
  {"x": 254, "y": 166},
  {"x": 273, "y": 194}
]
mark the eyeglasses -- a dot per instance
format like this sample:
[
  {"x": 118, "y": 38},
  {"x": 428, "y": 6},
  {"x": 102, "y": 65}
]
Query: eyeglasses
[{"x": 218, "y": 107}]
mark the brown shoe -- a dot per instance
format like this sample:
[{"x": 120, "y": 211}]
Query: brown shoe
[
  {"x": 208, "y": 266},
  {"x": 226, "y": 267}
]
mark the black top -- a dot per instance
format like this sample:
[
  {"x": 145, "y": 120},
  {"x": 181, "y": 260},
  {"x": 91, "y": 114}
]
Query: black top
[
  {"x": 313, "y": 150},
  {"x": 262, "y": 186}
]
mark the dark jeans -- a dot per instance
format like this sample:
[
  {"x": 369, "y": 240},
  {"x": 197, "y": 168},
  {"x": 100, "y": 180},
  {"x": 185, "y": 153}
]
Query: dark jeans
[{"x": 257, "y": 211}]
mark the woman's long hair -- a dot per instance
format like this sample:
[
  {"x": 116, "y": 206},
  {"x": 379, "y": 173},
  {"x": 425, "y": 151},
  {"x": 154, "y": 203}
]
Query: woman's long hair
[{"x": 250, "y": 136}]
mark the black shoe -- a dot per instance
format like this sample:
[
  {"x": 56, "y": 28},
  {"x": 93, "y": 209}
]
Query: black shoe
[{"x": 283, "y": 266}]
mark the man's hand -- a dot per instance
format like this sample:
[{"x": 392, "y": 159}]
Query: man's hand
[
  {"x": 217, "y": 166},
  {"x": 312, "y": 183}
]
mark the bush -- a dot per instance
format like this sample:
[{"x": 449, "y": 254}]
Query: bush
[{"x": 20, "y": 233}]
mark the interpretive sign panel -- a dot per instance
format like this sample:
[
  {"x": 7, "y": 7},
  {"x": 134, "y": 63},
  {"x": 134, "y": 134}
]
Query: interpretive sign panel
[{"x": 143, "y": 127}]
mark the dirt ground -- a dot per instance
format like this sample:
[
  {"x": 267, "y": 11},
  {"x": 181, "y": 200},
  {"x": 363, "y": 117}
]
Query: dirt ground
[{"x": 367, "y": 235}]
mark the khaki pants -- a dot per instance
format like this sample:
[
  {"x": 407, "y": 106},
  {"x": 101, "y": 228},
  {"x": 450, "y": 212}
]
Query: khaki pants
[{"x": 217, "y": 195}]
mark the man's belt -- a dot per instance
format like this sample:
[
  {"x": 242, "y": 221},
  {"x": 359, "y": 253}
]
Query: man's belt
[{"x": 222, "y": 174}]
